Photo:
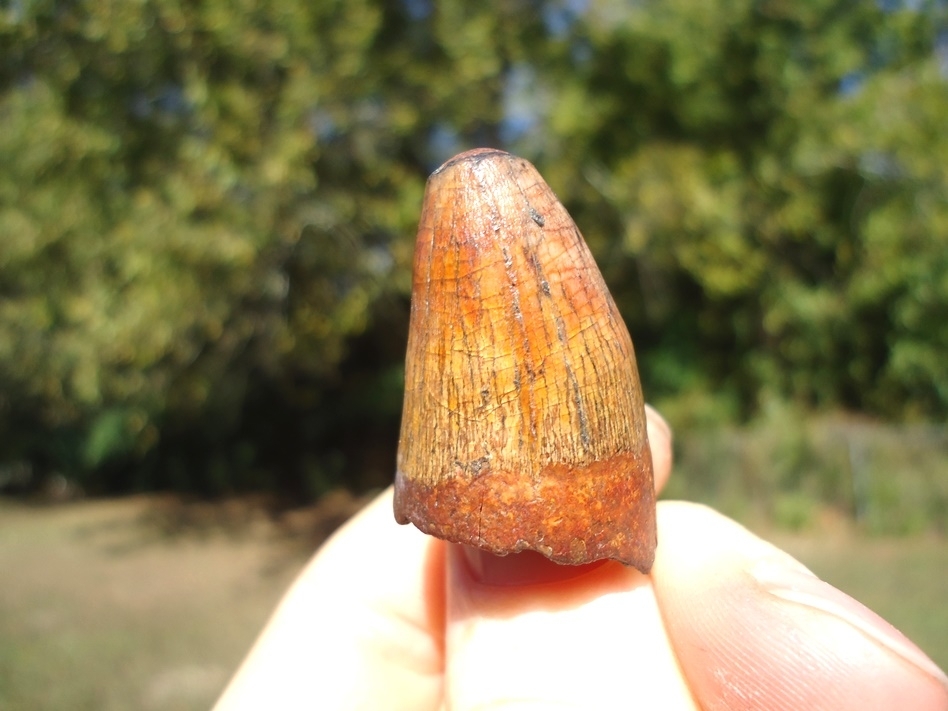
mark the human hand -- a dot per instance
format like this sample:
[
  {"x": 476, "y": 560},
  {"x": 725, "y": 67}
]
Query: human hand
[{"x": 385, "y": 617}]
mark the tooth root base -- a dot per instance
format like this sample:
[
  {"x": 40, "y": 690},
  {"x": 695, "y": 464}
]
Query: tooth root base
[{"x": 609, "y": 511}]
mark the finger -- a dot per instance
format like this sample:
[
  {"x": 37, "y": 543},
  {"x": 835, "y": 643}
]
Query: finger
[
  {"x": 660, "y": 441},
  {"x": 594, "y": 641},
  {"x": 362, "y": 627},
  {"x": 526, "y": 633},
  {"x": 753, "y": 628}
]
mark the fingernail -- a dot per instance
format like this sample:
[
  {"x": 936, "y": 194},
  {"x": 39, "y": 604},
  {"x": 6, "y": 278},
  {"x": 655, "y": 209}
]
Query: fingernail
[
  {"x": 800, "y": 586},
  {"x": 526, "y": 568},
  {"x": 656, "y": 424}
]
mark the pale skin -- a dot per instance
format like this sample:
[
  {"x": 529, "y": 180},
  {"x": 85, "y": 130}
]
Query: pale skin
[{"x": 385, "y": 617}]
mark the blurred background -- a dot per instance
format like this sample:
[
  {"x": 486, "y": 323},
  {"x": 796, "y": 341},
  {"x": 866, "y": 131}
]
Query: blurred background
[{"x": 207, "y": 216}]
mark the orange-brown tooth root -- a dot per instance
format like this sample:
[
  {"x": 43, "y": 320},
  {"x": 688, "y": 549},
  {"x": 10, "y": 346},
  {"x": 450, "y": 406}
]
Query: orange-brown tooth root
[{"x": 523, "y": 425}]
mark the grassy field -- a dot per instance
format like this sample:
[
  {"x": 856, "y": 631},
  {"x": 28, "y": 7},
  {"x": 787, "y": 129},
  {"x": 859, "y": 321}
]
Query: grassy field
[
  {"x": 151, "y": 604},
  {"x": 136, "y": 603}
]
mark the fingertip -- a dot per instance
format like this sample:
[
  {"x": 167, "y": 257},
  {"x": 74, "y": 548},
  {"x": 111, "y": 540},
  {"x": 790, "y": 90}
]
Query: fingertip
[
  {"x": 657, "y": 424},
  {"x": 554, "y": 636},
  {"x": 660, "y": 441}
]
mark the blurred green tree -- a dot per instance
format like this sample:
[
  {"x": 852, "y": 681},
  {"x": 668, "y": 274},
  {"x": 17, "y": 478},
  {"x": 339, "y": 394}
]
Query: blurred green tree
[
  {"x": 768, "y": 182},
  {"x": 207, "y": 211},
  {"x": 201, "y": 204}
]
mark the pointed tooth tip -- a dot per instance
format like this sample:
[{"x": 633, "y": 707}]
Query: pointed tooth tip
[{"x": 475, "y": 155}]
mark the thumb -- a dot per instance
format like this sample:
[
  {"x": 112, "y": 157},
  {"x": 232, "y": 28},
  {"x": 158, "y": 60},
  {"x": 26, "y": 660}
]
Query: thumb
[{"x": 753, "y": 628}]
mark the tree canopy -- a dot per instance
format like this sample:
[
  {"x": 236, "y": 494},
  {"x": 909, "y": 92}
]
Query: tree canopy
[{"x": 207, "y": 211}]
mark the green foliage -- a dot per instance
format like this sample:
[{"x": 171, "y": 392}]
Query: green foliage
[
  {"x": 775, "y": 175},
  {"x": 207, "y": 212}
]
